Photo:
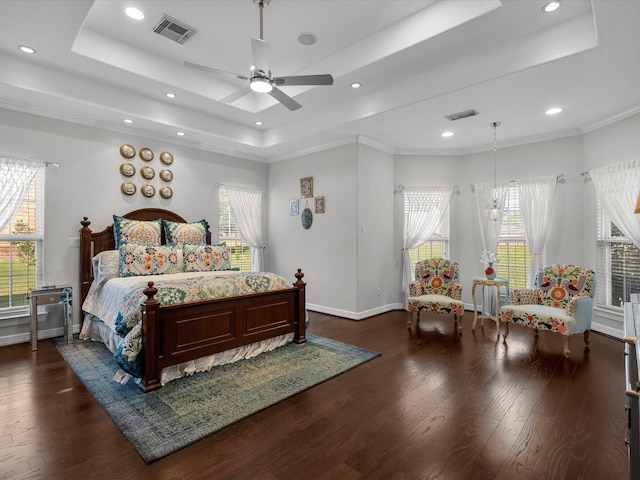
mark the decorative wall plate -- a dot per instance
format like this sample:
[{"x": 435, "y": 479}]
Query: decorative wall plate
[
  {"x": 166, "y": 175},
  {"x": 166, "y": 192},
  {"x": 148, "y": 190},
  {"x": 146, "y": 154},
  {"x": 127, "y": 151},
  {"x": 127, "y": 169},
  {"x": 166, "y": 158},
  {"x": 147, "y": 172},
  {"x": 307, "y": 218},
  {"x": 128, "y": 188}
]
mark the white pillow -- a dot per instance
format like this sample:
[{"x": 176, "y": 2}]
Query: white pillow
[{"x": 105, "y": 267}]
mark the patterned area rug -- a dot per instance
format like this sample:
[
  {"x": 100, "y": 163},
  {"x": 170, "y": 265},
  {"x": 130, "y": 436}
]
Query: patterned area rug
[{"x": 188, "y": 409}]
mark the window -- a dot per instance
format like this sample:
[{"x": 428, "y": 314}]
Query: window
[
  {"x": 436, "y": 247},
  {"x": 618, "y": 264},
  {"x": 21, "y": 248},
  {"x": 513, "y": 251},
  {"x": 239, "y": 251}
]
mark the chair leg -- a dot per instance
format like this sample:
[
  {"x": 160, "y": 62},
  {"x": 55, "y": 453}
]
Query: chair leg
[
  {"x": 506, "y": 330},
  {"x": 457, "y": 323},
  {"x": 586, "y": 337},
  {"x": 566, "y": 346},
  {"x": 409, "y": 318}
]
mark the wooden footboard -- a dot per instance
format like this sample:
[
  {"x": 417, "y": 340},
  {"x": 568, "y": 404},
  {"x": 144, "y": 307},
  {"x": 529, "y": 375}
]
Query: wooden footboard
[{"x": 174, "y": 334}]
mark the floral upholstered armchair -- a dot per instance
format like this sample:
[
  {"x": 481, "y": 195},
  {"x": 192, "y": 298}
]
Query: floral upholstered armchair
[
  {"x": 561, "y": 302},
  {"x": 436, "y": 289}
]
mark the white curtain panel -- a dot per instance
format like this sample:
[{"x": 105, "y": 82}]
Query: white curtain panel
[
  {"x": 617, "y": 189},
  {"x": 424, "y": 209},
  {"x": 15, "y": 177},
  {"x": 246, "y": 208},
  {"x": 490, "y": 230},
  {"x": 536, "y": 207}
]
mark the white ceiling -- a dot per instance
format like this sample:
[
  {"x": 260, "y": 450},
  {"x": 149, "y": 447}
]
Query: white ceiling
[{"x": 417, "y": 60}]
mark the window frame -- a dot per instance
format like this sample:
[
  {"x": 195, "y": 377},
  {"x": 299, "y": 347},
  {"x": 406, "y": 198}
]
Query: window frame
[
  {"x": 34, "y": 200},
  {"x": 226, "y": 235},
  {"x": 512, "y": 232},
  {"x": 441, "y": 235},
  {"x": 605, "y": 241}
]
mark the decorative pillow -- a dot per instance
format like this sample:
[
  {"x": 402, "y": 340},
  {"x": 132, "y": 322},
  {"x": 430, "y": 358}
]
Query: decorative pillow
[
  {"x": 180, "y": 234},
  {"x": 106, "y": 265},
  {"x": 205, "y": 258},
  {"x": 149, "y": 260},
  {"x": 136, "y": 231}
]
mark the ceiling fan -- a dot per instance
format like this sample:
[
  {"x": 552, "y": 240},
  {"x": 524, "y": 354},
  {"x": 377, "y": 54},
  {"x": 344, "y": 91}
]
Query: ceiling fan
[{"x": 260, "y": 79}]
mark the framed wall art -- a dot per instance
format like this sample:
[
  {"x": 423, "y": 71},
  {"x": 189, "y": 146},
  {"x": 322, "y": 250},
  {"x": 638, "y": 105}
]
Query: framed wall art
[
  {"x": 319, "y": 201},
  {"x": 293, "y": 207},
  {"x": 306, "y": 187}
]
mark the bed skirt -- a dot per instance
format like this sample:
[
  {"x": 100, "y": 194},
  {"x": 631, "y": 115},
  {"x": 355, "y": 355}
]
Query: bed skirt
[{"x": 96, "y": 330}]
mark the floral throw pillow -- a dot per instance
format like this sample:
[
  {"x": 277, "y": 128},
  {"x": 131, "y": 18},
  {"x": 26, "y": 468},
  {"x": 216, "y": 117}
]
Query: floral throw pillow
[
  {"x": 136, "y": 231},
  {"x": 180, "y": 234},
  {"x": 206, "y": 258},
  {"x": 138, "y": 260}
]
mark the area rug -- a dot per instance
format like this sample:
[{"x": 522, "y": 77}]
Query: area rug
[{"x": 188, "y": 409}]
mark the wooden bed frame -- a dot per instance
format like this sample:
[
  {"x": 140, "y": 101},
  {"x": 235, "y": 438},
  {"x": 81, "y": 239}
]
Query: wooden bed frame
[{"x": 173, "y": 334}]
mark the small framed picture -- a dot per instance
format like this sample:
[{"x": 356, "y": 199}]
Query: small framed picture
[
  {"x": 319, "y": 201},
  {"x": 293, "y": 207},
  {"x": 306, "y": 187}
]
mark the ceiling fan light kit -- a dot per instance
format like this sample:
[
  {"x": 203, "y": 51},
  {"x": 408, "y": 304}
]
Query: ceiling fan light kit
[{"x": 260, "y": 80}]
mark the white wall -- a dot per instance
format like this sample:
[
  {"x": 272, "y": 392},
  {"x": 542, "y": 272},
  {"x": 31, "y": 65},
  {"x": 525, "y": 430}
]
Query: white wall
[
  {"x": 87, "y": 183},
  {"x": 326, "y": 251}
]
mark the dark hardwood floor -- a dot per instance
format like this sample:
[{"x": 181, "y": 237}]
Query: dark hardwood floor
[{"x": 432, "y": 406}]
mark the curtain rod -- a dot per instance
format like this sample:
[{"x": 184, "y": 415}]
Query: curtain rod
[
  {"x": 400, "y": 188},
  {"x": 18, "y": 157},
  {"x": 559, "y": 179}
]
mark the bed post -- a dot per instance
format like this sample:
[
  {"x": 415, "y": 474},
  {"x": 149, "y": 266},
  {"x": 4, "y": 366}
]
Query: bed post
[
  {"x": 301, "y": 309},
  {"x": 85, "y": 260},
  {"x": 150, "y": 309}
]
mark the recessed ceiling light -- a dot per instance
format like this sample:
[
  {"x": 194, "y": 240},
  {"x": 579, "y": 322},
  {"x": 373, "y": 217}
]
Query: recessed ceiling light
[
  {"x": 258, "y": 122},
  {"x": 127, "y": 120},
  {"x": 134, "y": 13},
  {"x": 26, "y": 49},
  {"x": 447, "y": 134},
  {"x": 170, "y": 95},
  {"x": 553, "y": 111},
  {"x": 356, "y": 85},
  {"x": 551, "y": 7},
  {"x": 180, "y": 134},
  {"x": 307, "y": 38}
]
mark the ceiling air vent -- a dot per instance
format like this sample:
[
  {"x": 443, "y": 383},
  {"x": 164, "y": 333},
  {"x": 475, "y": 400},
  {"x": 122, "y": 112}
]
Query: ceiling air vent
[
  {"x": 174, "y": 29},
  {"x": 459, "y": 115}
]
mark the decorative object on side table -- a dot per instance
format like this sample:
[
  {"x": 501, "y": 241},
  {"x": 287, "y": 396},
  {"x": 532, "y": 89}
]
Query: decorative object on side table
[
  {"x": 306, "y": 187},
  {"x": 489, "y": 259}
]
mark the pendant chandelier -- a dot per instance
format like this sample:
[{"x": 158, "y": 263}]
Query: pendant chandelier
[{"x": 494, "y": 209}]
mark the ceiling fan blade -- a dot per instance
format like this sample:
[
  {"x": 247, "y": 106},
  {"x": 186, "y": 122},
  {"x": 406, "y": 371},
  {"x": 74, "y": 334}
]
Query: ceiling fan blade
[
  {"x": 236, "y": 95},
  {"x": 213, "y": 70},
  {"x": 261, "y": 52},
  {"x": 304, "y": 80},
  {"x": 284, "y": 99}
]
